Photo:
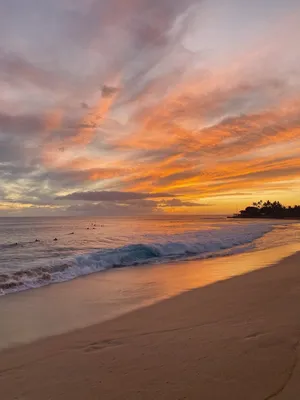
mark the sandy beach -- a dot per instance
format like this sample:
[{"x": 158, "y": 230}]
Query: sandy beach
[{"x": 235, "y": 339}]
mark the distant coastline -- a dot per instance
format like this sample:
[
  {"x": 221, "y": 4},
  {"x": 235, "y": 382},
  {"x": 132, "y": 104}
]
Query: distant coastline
[
  {"x": 269, "y": 210},
  {"x": 238, "y": 216}
]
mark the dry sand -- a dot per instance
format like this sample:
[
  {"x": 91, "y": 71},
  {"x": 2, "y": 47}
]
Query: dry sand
[{"x": 236, "y": 339}]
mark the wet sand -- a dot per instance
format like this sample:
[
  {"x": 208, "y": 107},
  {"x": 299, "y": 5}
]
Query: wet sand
[
  {"x": 60, "y": 308},
  {"x": 235, "y": 339}
]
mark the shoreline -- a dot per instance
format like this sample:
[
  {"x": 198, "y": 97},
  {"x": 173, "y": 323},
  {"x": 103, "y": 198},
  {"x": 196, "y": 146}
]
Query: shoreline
[
  {"x": 237, "y": 338},
  {"x": 36, "y": 314},
  {"x": 220, "y": 241}
]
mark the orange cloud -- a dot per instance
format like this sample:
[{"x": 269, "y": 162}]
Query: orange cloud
[
  {"x": 91, "y": 122},
  {"x": 202, "y": 161}
]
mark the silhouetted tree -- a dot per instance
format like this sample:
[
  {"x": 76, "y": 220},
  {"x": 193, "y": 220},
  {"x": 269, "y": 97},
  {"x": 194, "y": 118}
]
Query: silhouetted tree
[{"x": 269, "y": 209}]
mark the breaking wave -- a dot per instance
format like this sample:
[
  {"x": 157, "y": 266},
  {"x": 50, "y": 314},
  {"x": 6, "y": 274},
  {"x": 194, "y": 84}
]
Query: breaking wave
[{"x": 199, "y": 244}]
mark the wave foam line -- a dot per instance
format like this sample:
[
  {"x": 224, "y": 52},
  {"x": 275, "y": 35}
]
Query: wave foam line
[{"x": 201, "y": 244}]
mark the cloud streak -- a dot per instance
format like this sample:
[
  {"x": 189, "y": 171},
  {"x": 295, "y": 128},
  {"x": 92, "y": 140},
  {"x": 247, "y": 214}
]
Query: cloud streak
[
  {"x": 128, "y": 102},
  {"x": 112, "y": 196}
]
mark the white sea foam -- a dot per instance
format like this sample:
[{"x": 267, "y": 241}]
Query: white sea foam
[{"x": 197, "y": 244}]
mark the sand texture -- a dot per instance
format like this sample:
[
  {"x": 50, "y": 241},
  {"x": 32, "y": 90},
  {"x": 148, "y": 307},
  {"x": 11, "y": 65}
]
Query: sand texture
[{"x": 236, "y": 339}]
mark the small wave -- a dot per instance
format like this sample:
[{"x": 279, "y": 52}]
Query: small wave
[
  {"x": 8, "y": 246},
  {"x": 200, "y": 244},
  {"x": 5, "y": 246}
]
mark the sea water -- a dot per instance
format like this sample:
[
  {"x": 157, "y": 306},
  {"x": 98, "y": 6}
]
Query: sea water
[{"x": 35, "y": 252}]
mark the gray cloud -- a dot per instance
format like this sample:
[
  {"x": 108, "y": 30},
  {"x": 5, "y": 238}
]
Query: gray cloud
[
  {"x": 129, "y": 207},
  {"x": 133, "y": 208},
  {"x": 112, "y": 196},
  {"x": 138, "y": 36},
  {"x": 16, "y": 70},
  {"x": 108, "y": 91},
  {"x": 180, "y": 203},
  {"x": 21, "y": 124},
  {"x": 84, "y": 105}
]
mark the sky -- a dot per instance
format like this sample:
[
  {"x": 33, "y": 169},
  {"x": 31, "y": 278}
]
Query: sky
[{"x": 137, "y": 107}]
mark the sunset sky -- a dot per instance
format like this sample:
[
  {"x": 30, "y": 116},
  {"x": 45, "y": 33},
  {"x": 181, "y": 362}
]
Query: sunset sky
[{"x": 124, "y": 107}]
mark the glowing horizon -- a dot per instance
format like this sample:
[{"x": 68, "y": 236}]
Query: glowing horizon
[{"x": 191, "y": 106}]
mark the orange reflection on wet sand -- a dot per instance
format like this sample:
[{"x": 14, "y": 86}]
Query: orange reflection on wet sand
[{"x": 60, "y": 308}]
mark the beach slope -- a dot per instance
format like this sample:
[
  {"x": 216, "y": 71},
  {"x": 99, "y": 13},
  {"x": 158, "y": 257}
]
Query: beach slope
[{"x": 236, "y": 339}]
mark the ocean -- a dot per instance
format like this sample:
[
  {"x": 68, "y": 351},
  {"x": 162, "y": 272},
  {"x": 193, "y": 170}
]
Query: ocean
[{"x": 42, "y": 251}]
